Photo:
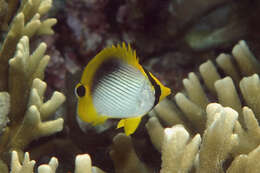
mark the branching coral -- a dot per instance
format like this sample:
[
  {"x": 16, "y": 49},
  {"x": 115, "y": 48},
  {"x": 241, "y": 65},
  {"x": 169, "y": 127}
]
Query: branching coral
[
  {"x": 25, "y": 23},
  {"x": 181, "y": 153},
  {"x": 21, "y": 75},
  {"x": 24, "y": 71},
  {"x": 27, "y": 165},
  {"x": 36, "y": 112},
  {"x": 190, "y": 109},
  {"x": 82, "y": 164},
  {"x": 212, "y": 138},
  {"x": 225, "y": 131},
  {"x": 217, "y": 143}
]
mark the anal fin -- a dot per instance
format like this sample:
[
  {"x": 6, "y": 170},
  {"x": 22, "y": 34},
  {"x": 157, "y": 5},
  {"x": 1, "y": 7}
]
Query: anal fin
[{"x": 130, "y": 124}]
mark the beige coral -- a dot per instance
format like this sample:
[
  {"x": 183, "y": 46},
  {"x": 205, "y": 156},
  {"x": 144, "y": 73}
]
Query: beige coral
[
  {"x": 192, "y": 104},
  {"x": 248, "y": 163},
  {"x": 124, "y": 156},
  {"x": 4, "y": 109},
  {"x": 182, "y": 153},
  {"x": 24, "y": 68},
  {"x": 226, "y": 131},
  {"x": 249, "y": 137},
  {"x": 27, "y": 119},
  {"x": 21, "y": 74},
  {"x": 178, "y": 153},
  {"x": 26, "y": 23},
  {"x": 26, "y": 167},
  {"x": 33, "y": 117},
  {"x": 218, "y": 139},
  {"x": 82, "y": 165}
]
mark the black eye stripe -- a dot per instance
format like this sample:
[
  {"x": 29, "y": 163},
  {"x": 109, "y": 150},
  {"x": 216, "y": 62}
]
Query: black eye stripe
[{"x": 80, "y": 91}]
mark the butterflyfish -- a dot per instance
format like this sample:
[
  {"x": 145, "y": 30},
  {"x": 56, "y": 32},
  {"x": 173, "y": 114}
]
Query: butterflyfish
[{"x": 115, "y": 85}]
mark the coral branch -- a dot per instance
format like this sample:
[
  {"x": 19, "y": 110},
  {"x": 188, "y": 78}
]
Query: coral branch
[
  {"x": 193, "y": 112},
  {"x": 250, "y": 87},
  {"x": 209, "y": 74},
  {"x": 124, "y": 156},
  {"x": 17, "y": 167},
  {"x": 246, "y": 163},
  {"x": 195, "y": 91},
  {"x": 22, "y": 72},
  {"x": 249, "y": 138},
  {"x": 245, "y": 59},
  {"x": 32, "y": 122},
  {"x": 227, "y": 94},
  {"x": 155, "y": 131},
  {"x": 36, "y": 98},
  {"x": 218, "y": 140},
  {"x": 83, "y": 164},
  {"x": 26, "y": 23},
  {"x": 178, "y": 154},
  {"x": 168, "y": 112},
  {"x": 49, "y": 168},
  {"x": 4, "y": 109},
  {"x": 225, "y": 63}
]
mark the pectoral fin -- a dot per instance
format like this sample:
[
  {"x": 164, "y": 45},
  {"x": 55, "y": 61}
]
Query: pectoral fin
[{"x": 129, "y": 124}]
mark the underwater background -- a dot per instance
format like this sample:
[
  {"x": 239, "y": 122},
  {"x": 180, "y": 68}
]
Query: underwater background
[{"x": 207, "y": 52}]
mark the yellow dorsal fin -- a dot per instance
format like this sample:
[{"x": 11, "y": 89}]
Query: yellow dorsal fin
[
  {"x": 121, "y": 52},
  {"x": 130, "y": 124}
]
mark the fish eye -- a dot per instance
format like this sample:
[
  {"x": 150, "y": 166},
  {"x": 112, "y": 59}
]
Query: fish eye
[{"x": 80, "y": 91}]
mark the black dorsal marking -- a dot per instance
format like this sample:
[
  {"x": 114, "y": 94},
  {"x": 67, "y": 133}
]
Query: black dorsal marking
[
  {"x": 157, "y": 88},
  {"x": 107, "y": 67}
]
